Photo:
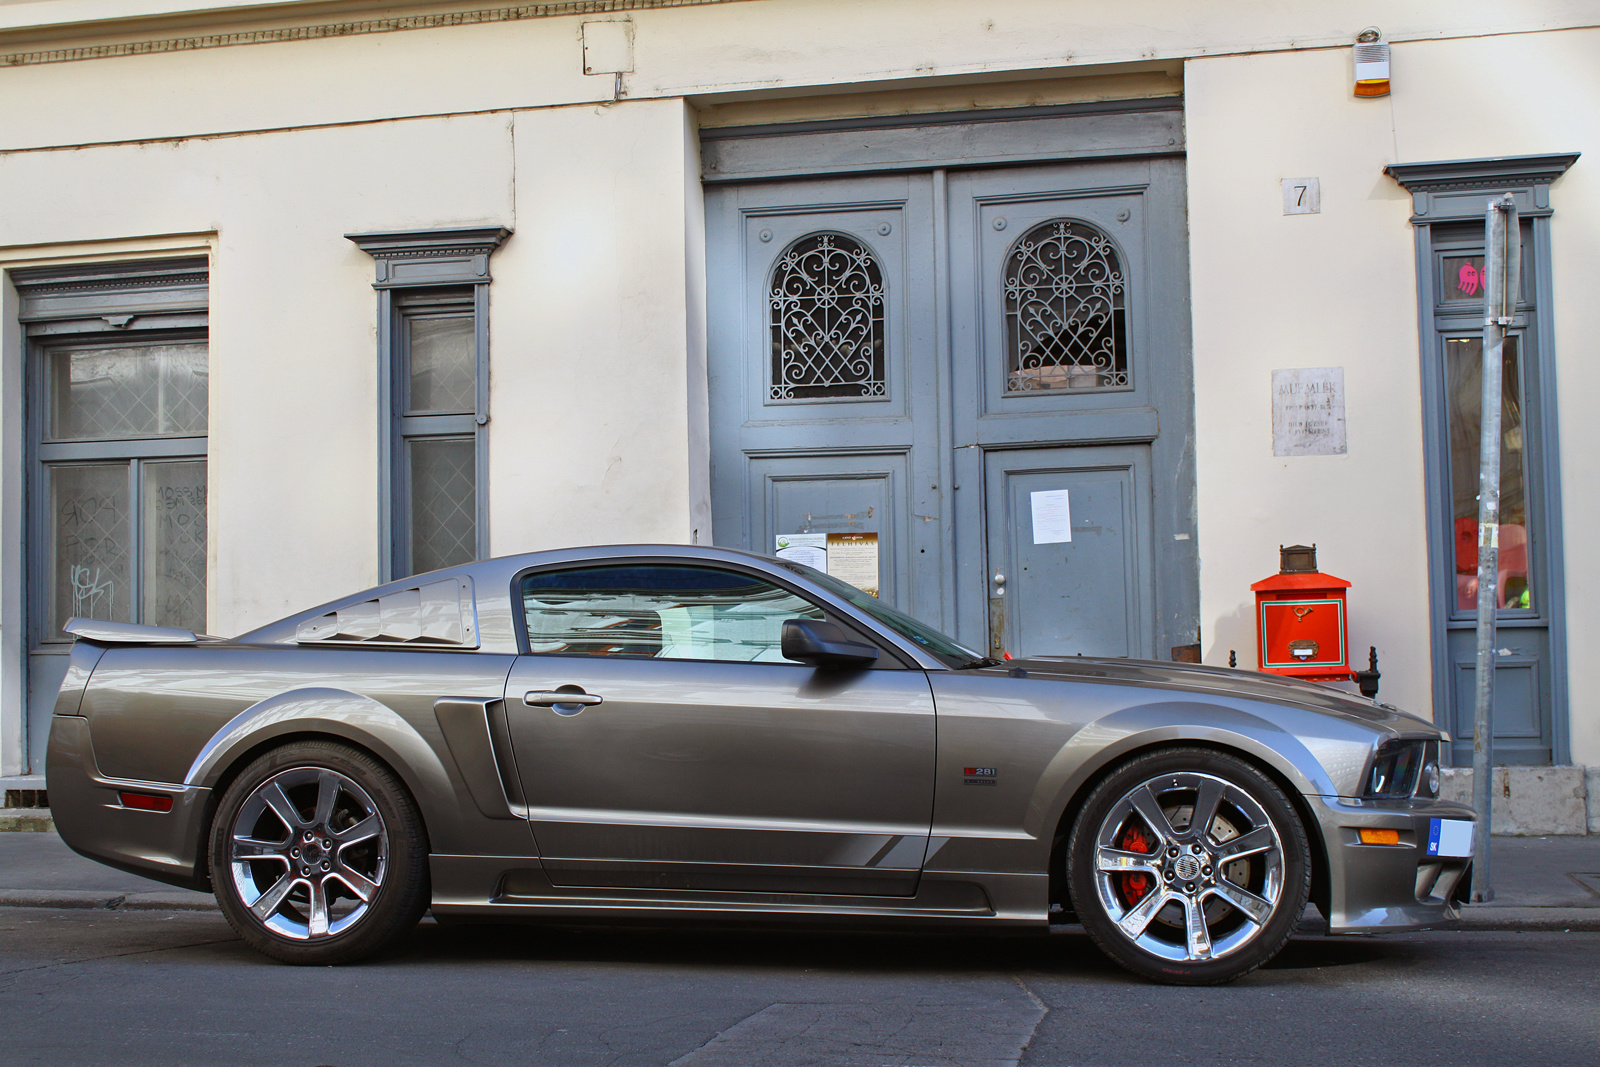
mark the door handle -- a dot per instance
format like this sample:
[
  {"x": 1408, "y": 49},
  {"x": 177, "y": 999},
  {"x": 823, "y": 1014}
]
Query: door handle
[{"x": 562, "y": 702}]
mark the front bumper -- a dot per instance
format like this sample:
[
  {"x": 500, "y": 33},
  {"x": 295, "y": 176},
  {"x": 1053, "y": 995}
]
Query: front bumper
[{"x": 1389, "y": 887}]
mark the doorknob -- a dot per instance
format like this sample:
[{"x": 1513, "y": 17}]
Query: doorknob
[
  {"x": 999, "y": 584},
  {"x": 565, "y": 701}
]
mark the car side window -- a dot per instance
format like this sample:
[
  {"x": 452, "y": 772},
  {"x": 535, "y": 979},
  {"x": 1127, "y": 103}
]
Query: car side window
[{"x": 658, "y": 611}]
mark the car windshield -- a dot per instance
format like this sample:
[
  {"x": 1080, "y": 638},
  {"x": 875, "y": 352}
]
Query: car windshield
[{"x": 949, "y": 651}]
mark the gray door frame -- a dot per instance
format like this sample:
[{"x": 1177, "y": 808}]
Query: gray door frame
[
  {"x": 135, "y": 302},
  {"x": 944, "y": 147},
  {"x": 1455, "y": 192}
]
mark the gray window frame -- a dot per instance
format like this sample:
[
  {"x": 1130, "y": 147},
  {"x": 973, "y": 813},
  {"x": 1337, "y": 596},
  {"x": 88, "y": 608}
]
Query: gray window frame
[
  {"x": 1448, "y": 194},
  {"x": 100, "y": 305},
  {"x": 419, "y": 268}
]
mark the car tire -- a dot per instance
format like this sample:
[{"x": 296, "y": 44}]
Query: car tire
[
  {"x": 1181, "y": 903},
  {"x": 319, "y": 855}
]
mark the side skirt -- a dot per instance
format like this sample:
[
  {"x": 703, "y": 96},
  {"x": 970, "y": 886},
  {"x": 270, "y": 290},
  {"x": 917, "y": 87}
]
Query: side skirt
[{"x": 511, "y": 887}]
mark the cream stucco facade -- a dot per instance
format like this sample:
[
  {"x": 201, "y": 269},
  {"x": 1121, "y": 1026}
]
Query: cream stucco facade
[{"x": 259, "y": 135}]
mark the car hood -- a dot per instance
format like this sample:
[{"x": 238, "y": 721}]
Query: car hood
[{"x": 1247, "y": 685}]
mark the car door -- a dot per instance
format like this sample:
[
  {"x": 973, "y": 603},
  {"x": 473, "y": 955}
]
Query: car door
[{"x": 692, "y": 755}]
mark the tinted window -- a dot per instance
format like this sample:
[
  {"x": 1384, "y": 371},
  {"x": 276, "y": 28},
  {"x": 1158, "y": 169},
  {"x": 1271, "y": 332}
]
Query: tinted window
[
  {"x": 947, "y": 649},
  {"x": 659, "y": 612}
]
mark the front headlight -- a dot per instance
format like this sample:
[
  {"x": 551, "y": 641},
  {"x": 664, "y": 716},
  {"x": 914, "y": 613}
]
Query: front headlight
[
  {"x": 1404, "y": 769},
  {"x": 1428, "y": 783}
]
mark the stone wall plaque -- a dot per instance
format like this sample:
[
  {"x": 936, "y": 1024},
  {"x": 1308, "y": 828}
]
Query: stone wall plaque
[{"x": 1308, "y": 412}]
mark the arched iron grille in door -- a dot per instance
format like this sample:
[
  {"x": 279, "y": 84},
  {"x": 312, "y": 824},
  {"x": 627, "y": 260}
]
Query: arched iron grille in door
[
  {"x": 827, "y": 324},
  {"x": 1065, "y": 307}
]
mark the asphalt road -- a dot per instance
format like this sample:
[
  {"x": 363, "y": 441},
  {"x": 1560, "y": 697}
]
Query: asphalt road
[{"x": 173, "y": 988}]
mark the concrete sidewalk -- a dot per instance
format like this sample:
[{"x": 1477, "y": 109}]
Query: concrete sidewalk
[
  {"x": 1541, "y": 883},
  {"x": 37, "y": 870}
]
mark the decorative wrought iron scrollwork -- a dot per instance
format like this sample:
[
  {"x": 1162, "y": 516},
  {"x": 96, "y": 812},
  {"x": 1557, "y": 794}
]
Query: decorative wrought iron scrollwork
[
  {"x": 1065, "y": 308},
  {"x": 827, "y": 321}
]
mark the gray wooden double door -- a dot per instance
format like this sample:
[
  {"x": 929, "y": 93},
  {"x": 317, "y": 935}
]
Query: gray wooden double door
[{"x": 988, "y": 369}]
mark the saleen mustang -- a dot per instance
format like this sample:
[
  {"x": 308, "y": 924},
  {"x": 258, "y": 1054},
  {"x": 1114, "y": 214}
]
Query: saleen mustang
[{"x": 652, "y": 732}]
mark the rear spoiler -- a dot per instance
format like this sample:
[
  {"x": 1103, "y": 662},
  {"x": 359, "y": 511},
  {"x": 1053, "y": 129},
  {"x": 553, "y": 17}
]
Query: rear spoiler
[{"x": 128, "y": 633}]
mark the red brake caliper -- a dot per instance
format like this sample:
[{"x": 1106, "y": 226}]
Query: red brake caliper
[{"x": 1136, "y": 885}]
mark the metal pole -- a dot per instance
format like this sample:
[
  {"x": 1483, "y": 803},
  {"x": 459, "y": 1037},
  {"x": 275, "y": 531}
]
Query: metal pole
[{"x": 1502, "y": 263}]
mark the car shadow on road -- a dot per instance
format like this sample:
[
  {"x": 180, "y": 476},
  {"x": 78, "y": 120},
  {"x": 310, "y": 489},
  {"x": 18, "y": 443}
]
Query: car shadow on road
[{"x": 1066, "y": 952}]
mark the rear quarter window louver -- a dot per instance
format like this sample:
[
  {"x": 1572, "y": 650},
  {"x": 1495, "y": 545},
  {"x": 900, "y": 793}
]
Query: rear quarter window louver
[{"x": 439, "y": 614}]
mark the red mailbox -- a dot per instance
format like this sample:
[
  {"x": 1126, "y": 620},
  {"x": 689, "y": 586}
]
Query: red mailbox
[{"x": 1300, "y": 619}]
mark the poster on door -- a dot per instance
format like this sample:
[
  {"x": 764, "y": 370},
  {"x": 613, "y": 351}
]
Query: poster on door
[
  {"x": 810, "y": 549},
  {"x": 1052, "y": 516},
  {"x": 853, "y": 558},
  {"x": 849, "y": 557}
]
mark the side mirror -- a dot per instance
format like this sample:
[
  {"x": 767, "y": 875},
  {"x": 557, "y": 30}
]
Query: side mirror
[{"x": 823, "y": 644}]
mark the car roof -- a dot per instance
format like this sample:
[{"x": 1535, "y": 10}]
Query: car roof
[{"x": 490, "y": 583}]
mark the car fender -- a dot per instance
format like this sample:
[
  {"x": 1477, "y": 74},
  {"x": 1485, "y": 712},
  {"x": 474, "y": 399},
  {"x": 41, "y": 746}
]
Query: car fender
[
  {"x": 360, "y": 720},
  {"x": 1109, "y": 739}
]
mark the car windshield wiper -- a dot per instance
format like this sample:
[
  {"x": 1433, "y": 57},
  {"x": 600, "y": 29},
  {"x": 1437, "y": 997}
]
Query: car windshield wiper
[{"x": 981, "y": 661}]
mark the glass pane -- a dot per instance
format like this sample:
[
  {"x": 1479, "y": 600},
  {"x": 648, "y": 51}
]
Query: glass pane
[
  {"x": 1065, "y": 307},
  {"x": 1463, "y": 279},
  {"x": 663, "y": 612},
  {"x": 88, "y": 544},
  {"x": 1464, "y": 399},
  {"x": 941, "y": 645},
  {"x": 444, "y": 365},
  {"x": 174, "y": 586},
  {"x": 143, "y": 391},
  {"x": 444, "y": 502},
  {"x": 826, "y": 321}
]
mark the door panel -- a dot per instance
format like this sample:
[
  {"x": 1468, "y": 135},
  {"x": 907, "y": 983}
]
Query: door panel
[
  {"x": 45, "y": 672},
  {"x": 1069, "y": 324},
  {"x": 839, "y": 494},
  {"x": 1062, "y": 598},
  {"x": 785, "y": 459},
  {"x": 1519, "y": 721},
  {"x": 758, "y": 777}
]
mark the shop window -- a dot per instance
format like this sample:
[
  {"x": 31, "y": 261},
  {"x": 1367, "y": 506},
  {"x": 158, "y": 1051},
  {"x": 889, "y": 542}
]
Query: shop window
[{"x": 433, "y": 363}]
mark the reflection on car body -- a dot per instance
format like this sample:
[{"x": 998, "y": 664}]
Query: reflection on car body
[{"x": 657, "y": 732}]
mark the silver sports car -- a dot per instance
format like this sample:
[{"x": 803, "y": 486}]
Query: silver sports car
[{"x": 659, "y": 732}]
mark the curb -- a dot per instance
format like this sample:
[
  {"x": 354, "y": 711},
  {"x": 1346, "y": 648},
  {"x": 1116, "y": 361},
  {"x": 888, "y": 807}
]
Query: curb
[
  {"x": 1491, "y": 918},
  {"x": 36, "y": 820},
  {"x": 89, "y": 899}
]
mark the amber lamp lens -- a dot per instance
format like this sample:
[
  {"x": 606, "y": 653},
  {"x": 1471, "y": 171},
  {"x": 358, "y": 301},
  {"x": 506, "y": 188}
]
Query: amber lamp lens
[
  {"x": 1373, "y": 88},
  {"x": 1380, "y": 837}
]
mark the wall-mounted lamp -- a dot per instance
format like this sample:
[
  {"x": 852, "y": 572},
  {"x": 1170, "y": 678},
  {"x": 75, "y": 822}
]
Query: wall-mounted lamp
[{"x": 1372, "y": 63}]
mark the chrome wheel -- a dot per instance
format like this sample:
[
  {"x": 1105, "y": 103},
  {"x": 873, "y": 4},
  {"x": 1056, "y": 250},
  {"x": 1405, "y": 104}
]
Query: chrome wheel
[
  {"x": 1188, "y": 867},
  {"x": 307, "y": 853}
]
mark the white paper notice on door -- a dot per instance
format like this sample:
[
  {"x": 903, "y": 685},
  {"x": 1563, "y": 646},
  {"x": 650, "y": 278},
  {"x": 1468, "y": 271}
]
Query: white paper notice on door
[
  {"x": 853, "y": 558},
  {"x": 1052, "y": 516},
  {"x": 809, "y": 549}
]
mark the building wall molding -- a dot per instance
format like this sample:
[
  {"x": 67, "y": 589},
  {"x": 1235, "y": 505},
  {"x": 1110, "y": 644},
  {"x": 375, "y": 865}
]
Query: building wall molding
[
  {"x": 431, "y": 257},
  {"x": 1113, "y": 129},
  {"x": 347, "y": 28},
  {"x": 1453, "y": 188}
]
